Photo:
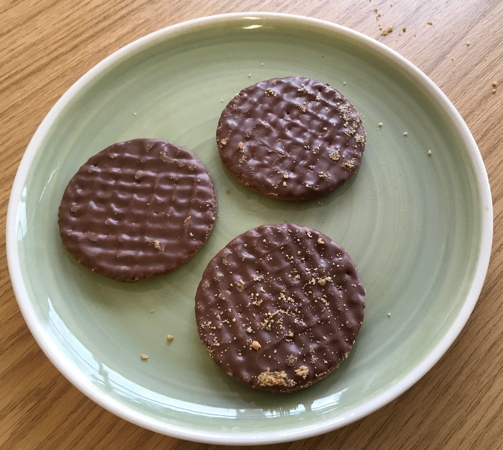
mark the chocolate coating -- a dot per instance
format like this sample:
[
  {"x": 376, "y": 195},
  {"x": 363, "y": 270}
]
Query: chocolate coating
[
  {"x": 137, "y": 209},
  {"x": 291, "y": 138},
  {"x": 280, "y": 307}
]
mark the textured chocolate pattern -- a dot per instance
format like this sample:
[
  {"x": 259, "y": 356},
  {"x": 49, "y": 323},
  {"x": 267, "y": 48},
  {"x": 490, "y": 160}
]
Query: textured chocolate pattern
[
  {"x": 280, "y": 307},
  {"x": 137, "y": 209},
  {"x": 291, "y": 138}
]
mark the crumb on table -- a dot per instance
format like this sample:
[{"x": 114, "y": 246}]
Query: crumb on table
[{"x": 387, "y": 31}]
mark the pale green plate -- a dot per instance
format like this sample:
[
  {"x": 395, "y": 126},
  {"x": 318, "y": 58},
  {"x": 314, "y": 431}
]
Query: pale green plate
[{"x": 419, "y": 228}]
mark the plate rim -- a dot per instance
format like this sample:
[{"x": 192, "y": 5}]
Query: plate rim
[{"x": 248, "y": 438}]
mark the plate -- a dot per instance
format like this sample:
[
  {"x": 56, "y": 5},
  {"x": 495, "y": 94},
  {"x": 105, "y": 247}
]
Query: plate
[{"x": 416, "y": 219}]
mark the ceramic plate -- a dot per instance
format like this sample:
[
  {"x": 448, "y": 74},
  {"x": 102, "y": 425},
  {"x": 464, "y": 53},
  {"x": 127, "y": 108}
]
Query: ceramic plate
[{"x": 416, "y": 219}]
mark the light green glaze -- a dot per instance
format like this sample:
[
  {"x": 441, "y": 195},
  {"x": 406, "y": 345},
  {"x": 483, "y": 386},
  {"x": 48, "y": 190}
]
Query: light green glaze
[{"x": 410, "y": 221}]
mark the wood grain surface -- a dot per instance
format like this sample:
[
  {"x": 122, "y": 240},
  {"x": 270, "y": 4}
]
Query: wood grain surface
[{"x": 46, "y": 45}]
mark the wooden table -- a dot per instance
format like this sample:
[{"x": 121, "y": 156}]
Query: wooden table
[{"x": 46, "y": 45}]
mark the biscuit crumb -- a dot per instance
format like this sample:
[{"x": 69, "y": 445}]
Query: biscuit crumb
[
  {"x": 348, "y": 165},
  {"x": 270, "y": 91},
  {"x": 139, "y": 175},
  {"x": 269, "y": 378},
  {"x": 320, "y": 241},
  {"x": 404, "y": 29},
  {"x": 240, "y": 145},
  {"x": 430, "y": 23},
  {"x": 144, "y": 356},
  {"x": 223, "y": 141},
  {"x": 387, "y": 31},
  {"x": 291, "y": 360},
  {"x": 334, "y": 155},
  {"x": 494, "y": 83},
  {"x": 323, "y": 281},
  {"x": 302, "y": 372},
  {"x": 170, "y": 337},
  {"x": 158, "y": 245},
  {"x": 255, "y": 345}
]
